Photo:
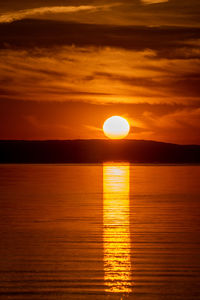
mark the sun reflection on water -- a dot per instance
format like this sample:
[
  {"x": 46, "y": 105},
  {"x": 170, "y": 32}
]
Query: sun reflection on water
[{"x": 117, "y": 262}]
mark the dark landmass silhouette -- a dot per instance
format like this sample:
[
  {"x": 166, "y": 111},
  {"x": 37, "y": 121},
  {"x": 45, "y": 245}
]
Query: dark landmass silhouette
[{"x": 97, "y": 151}]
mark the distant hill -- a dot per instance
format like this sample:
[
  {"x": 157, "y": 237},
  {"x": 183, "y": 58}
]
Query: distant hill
[{"x": 94, "y": 151}]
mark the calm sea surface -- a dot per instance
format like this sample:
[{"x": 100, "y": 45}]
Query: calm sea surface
[{"x": 105, "y": 231}]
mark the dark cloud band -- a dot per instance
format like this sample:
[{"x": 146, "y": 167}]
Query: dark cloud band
[{"x": 47, "y": 34}]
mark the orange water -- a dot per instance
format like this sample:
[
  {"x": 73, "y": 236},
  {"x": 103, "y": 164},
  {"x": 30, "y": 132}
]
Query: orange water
[{"x": 111, "y": 231}]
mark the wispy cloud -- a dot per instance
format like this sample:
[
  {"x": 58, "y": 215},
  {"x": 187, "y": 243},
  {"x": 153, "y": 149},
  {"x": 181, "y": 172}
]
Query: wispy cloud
[
  {"x": 97, "y": 75},
  {"x": 174, "y": 126},
  {"x": 153, "y": 1},
  {"x": 21, "y": 14}
]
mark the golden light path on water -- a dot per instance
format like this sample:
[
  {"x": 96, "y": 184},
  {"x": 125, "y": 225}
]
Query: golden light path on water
[{"x": 117, "y": 261}]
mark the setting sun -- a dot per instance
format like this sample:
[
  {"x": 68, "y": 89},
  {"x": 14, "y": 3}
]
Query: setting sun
[{"x": 116, "y": 127}]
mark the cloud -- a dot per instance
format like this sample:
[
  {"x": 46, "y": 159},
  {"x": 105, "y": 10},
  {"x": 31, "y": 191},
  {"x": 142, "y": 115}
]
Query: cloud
[
  {"x": 97, "y": 75},
  {"x": 178, "y": 126},
  {"x": 153, "y": 1},
  {"x": 22, "y": 14},
  {"x": 164, "y": 42},
  {"x": 130, "y": 12}
]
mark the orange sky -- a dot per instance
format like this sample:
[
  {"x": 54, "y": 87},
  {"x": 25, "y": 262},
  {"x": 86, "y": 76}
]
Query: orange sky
[{"x": 69, "y": 65}]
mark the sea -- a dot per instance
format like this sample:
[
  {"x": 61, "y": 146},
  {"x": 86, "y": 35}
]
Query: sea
[{"x": 99, "y": 231}]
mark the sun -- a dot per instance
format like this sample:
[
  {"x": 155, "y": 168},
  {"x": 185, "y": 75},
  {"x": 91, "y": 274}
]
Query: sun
[{"x": 116, "y": 127}]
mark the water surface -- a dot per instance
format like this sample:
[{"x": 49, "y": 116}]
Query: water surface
[{"x": 111, "y": 231}]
